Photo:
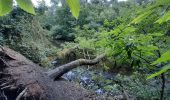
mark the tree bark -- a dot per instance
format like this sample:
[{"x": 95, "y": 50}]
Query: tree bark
[{"x": 20, "y": 79}]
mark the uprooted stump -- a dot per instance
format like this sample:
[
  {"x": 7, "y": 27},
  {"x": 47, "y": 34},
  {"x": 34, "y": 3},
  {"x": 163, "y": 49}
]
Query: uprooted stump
[{"x": 20, "y": 79}]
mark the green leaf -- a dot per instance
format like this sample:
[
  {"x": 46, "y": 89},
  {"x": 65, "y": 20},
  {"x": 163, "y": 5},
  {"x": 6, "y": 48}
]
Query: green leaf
[
  {"x": 106, "y": 67},
  {"x": 142, "y": 17},
  {"x": 5, "y": 7},
  {"x": 129, "y": 30},
  {"x": 162, "y": 2},
  {"x": 164, "y": 18},
  {"x": 26, "y": 5},
  {"x": 75, "y": 7},
  {"x": 164, "y": 58},
  {"x": 163, "y": 70},
  {"x": 156, "y": 34}
]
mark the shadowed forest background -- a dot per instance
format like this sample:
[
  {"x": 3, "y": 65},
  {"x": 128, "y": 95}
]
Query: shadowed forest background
[{"x": 132, "y": 36}]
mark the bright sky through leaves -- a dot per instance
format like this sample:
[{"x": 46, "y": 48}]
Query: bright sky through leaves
[
  {"x": 48, "y": 2},
  {"x": 35, "y": 2}
]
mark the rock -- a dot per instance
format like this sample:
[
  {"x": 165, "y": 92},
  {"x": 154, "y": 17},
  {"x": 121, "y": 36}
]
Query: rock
[
  {"x": 99, "y": 91},
  {"x": 70, "y": 76},
  {"x": 85, "y": 80},
  {"x": 54, "y": 62}
]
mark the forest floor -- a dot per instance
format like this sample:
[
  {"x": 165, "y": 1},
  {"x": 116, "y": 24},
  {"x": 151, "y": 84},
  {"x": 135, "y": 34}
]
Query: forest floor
[{"x": 115, "y": 84}]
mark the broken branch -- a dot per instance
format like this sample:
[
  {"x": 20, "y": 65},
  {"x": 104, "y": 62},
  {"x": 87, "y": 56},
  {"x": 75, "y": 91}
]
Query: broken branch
[{"x": 59, "y": 71}]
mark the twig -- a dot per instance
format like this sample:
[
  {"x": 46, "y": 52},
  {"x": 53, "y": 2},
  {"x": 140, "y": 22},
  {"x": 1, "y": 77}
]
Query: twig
[
  {"x": 89, "y": 59},
  {"x": 4, "y": 84},
  {"x": 2, "y": 51},
  {"x": 21, "y": 94},
  {"x": 145, "y": 60},
  {"x": 6, "y": 87},
  {"x": 5, "y": 63},
  {"x": 4, "y": 95}
]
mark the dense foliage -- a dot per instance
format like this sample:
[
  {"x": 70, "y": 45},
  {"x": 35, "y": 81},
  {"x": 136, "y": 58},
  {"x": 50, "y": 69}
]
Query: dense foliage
[
  {"x": 23, "y": 33},
  {"x": 133, "y": 34}
]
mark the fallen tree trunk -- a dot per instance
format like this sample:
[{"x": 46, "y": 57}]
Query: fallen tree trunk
[
  {"x": 20, "y": 79},
  {"x": 59, "y": 71}
]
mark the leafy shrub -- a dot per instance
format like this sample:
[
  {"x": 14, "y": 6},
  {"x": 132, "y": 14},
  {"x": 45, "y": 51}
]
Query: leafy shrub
[{"x": 23, "y": 33}]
